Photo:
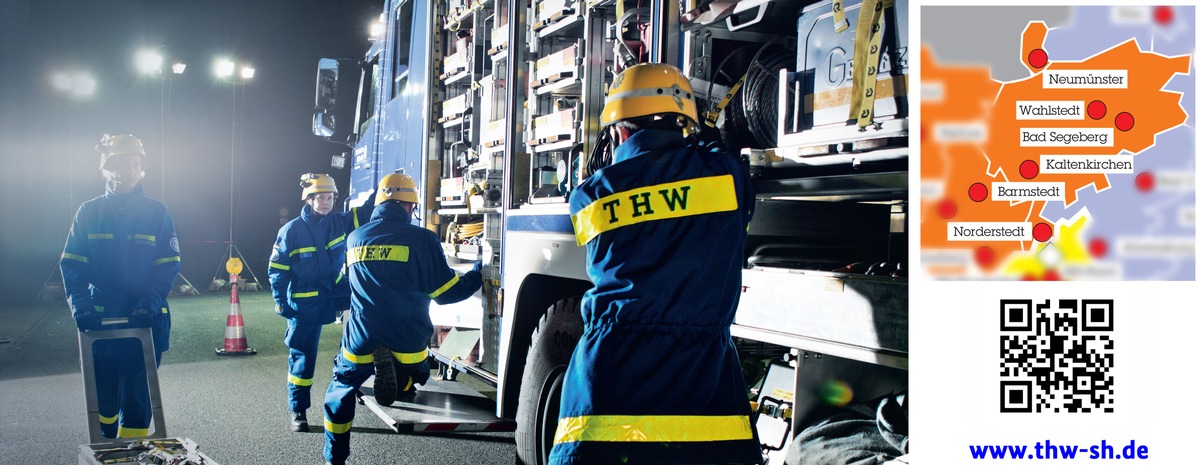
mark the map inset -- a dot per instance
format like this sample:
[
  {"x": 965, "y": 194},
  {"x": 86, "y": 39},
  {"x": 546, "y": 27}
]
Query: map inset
[{"x": 1069, "y": 155}]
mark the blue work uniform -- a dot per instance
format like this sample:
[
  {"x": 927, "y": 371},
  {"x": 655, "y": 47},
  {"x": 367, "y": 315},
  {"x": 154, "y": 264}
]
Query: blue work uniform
[
  {"x": 122, "y": 255},
  {"x": 309, "y": 288},
  {"x": 655, "y": 378},
  {"x": 396, "y": 269}
]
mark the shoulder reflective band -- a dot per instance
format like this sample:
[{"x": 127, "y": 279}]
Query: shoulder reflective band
[
  {"x": 354, "y": 213},
  {"x": 411, "y": 358},
  {"x": 868, "y": 39},
  {"x": 160, "y": 261},
  {"x": 337, "y": 428},
  {"x": 280, "y": 266},
  {"x": 302, "y": 250},
  {"x": 664, "y": 428},
  {"x": 71, "y": 256},
  {"x": 690, "y": 197},
  {"x": 336, "y": 241},
  {"x": 444, "y": 288},
  {"x": 839, "y": 17},
  {"x": 297, "y": 381},
  {"x": 371, "y": 253},
  {"x": 357, "y": 359},
  {"x": 100, "y": 236}
]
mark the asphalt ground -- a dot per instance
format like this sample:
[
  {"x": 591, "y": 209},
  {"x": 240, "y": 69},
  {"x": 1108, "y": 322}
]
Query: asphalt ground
[{"x": 233, "y": 407}]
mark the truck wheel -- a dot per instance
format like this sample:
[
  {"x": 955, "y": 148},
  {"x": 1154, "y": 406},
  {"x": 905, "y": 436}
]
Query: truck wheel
[{"x": 541, "y": 383}]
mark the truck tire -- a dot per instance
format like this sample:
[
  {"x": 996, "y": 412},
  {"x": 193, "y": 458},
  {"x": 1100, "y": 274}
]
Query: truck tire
[{"x": 541, "y": 383}]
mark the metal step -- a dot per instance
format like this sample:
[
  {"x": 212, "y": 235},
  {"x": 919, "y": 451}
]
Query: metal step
[{"x": 439, "y": 407}]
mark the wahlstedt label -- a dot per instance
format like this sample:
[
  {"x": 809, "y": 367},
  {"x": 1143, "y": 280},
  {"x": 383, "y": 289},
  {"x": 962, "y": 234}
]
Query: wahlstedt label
[{"x": 1049, "y": 110}]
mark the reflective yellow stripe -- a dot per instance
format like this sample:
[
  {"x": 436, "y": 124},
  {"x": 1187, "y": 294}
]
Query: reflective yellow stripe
[
  {"x": 335, "y": 241},
  {"x": 354, "y": 213},
  {"x": 357, "y": 359},
  {"x": 100, "y": 236},
  {"x": 299, "y": 381},
  {"x": 337, "y": 428},
  {"x": 658, "y": 202},
  {"x": 339, "y": 278},
  {"x": 411, "y": 358},
  {"x": 166, "y": 260},
  {"x": 444, "y": 288},
  {"x": 369, "y": 253},
  {"x": 123, "y": 432},
  {"x": 302, "y": 250},
  {"x": 282, "y": 267},
  {"x": 145, "y": 237},
  {"x": 107, "y": 420},
  {"x": 666, "y": 428},
  {"x": 71, "y": 256},
  {"x": 301, "y": 295}
]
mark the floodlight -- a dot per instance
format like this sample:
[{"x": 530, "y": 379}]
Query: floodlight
[
  {"x": 247, "y": 72},
  {"x": 148, "y": 61},
  {"x": 178, "y": 68},
  {"x": 224, "y": 68}
]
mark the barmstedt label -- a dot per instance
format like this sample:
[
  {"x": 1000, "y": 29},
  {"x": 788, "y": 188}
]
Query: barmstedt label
[
  {"x": 1085, "y": 79},
  {"x": 1050, "y": 109},
  {"x": 1021, "y": 191},
  {"x": 989, "y": 231},
  {"x": 1085, "y": 164},
  {"x": 1066, "y": 137}
]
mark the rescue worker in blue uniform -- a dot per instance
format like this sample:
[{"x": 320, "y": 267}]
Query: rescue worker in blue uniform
[
  {"x": 655, "y": 378},
  {"x": 307, "y": 282},
  {"x": 396, "y": 269},
  {"x": 120, "y": 261}
]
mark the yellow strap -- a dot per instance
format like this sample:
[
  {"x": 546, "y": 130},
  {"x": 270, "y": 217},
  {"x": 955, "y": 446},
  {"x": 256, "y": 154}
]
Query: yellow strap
[
  {"x": 282, "y": 267},
  {"x": 302, "y": 250},
  {"x": 357, "y": 359},
  {"x": 301, "y": 295},
  {"x": 710, "y": 118},
  {"x": 678, "y": 199},
  {"x": 444, "y": 288},
  {"x": 337, "y": 428},
  {"x": 299, "y": 381},
  {"x": 664, "y": 428},
  {"x": 160, "y": 261},
  {"x": 868, "y": 41},
  {"x": 411, "y": 358},
  {"x": 839, "y": 17},
  {"x": 369, "y": 253},
  {"x": 71, "y": 256}
]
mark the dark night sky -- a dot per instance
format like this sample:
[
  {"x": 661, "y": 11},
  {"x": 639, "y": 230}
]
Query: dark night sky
[{"x": 47, "y": 140}]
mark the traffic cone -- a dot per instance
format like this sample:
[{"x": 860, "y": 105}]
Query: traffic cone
[{"x": 235, "y": 332}]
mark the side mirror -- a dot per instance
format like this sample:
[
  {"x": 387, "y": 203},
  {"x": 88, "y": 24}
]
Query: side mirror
[{"x": 324, "y": 124}]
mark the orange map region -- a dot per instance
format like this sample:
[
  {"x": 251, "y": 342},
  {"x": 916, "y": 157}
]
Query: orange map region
[{"x": 969, "y": 96}]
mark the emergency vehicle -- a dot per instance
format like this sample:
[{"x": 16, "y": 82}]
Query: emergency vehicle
[{"x": 493, "y": 106}]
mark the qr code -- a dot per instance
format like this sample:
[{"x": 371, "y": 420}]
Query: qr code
[{"x": 1056, "y": 355}]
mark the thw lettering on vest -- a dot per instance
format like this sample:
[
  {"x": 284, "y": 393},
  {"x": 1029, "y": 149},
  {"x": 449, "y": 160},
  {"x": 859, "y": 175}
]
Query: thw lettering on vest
[
  {"x": 678, "y": 199},
  {"x": 366, "y": 253}
]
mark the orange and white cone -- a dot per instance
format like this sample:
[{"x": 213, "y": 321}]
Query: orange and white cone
[{"x": 235, "y": 331}]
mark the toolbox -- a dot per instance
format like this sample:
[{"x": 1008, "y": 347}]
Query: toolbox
[{"x": 156, "y": 448}]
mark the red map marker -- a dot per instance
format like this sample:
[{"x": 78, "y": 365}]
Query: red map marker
[
  {"x": 947, "y": 209},
  {"x": 977, "y": 192},
  {"x": 1038, "y": 58},
  {"x": 1042, "y": 232},
  {"x": 1029, "y": 169},
  {"x": 1124, "y": 121},
  {"x": 1096, "y": 109}
]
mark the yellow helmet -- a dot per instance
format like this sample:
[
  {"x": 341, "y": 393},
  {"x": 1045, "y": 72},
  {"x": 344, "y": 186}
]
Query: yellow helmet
[
  {"x": 123, "y": 144},
  {"x": 648, "y": 89},
  {"x": 396, "y": 186},
  {"x": 314, "y": 183}
]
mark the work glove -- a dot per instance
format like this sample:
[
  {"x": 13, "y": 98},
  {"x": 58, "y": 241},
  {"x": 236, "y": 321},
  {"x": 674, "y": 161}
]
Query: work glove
[
  {"x": 146, "y": 311},
  {"x": 87, "y": 320},
  {"x": 478, "y": 266},
  {"x": 709, "y": 139},
  {"x": 285, "y": 311}
]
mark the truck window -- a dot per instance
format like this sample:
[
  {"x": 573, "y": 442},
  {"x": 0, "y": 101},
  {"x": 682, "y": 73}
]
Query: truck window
[
  {"x": 403, "y": 46},
  {"x": 368, "y": 90}
]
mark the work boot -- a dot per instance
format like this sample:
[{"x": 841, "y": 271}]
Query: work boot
[
  {"x": 385, "y": 376},
  {"x": 299, "y": 422}
]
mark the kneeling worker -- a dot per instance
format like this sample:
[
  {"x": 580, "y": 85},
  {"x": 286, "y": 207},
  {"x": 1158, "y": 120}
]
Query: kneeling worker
[{"x": 396, "y": 269}]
